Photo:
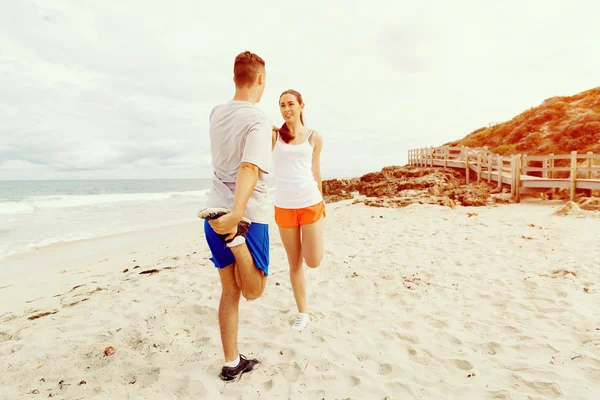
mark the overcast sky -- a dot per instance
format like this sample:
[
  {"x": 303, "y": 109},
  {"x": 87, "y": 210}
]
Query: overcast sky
[{"x": 122, "y": 89}]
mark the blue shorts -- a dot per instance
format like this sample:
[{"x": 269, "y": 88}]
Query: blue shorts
[{"x": 257, "y": 241}]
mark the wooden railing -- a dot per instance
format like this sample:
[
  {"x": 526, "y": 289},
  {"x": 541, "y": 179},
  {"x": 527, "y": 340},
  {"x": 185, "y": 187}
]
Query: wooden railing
[{"x": 574, "y": 171}]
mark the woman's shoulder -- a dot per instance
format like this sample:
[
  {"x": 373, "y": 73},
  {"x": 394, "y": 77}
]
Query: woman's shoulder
[{"x": 315, "y": 136}]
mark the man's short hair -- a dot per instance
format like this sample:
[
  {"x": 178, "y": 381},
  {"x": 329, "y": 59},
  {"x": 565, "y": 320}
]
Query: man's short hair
[{"x": 246, "y": 68}]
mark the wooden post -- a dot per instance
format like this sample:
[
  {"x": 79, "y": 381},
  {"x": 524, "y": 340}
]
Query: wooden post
[
  {"x": 465, "y": 154},
  {"x": 446, "y": 153},
  {"x": 517, "y": 179},
  {"x": 431, "y": 150},
  {"x": 573, "y": 175},
  {"x": 490, "y": 160},
  {"x": 590, "y": 164},
  {"x": 551, "y": 172},
  {"x": 513, "y": 183},
  {"x": 500, "y": 161},
  {"x": 478, "y": 167}
]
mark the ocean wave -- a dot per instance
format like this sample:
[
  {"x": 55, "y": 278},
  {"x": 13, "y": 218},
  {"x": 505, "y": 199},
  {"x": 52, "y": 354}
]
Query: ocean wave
[
  {"x": 15, "y": 207},
  {"x": 33, "y": 203}
]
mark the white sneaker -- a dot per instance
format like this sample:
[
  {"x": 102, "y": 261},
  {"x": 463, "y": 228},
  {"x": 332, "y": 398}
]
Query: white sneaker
[
  {"x": 301, "y": 322},
  {"x": 236, "y": 241}
]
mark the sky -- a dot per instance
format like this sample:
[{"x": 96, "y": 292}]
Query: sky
[{"x": 122, "y": 89}]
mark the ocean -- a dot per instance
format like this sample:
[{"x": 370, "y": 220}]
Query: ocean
[{"x": 34, "y": 214}]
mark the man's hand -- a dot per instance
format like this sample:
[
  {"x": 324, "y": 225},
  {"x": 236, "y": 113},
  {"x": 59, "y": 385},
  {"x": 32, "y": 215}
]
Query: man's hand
[{"x": 226, "y": 225}]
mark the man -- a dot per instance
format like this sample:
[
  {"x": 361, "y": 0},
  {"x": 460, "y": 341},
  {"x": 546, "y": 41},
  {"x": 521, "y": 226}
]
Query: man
[{"x": 236, "y": 222}]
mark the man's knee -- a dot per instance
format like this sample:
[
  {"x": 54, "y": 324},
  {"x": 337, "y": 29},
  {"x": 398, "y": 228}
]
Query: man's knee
[
  {"x": 230, "y": 293},
  {"x": 252, "y": 293}
]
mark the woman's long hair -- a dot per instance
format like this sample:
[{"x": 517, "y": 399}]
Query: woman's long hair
[{"x": 284, "y": 132}]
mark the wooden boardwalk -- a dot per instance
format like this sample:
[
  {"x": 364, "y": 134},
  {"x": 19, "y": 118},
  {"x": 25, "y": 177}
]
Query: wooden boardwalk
[{"x": 523, "y": 173}]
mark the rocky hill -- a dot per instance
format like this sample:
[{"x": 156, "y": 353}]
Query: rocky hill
[{"x": 559, "y": 125}]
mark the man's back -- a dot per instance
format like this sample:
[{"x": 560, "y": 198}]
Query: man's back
[{"x": 239, "y": 132}]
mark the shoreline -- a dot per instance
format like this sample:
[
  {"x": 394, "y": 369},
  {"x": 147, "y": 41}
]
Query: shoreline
[{"x": 22, "y": 256}]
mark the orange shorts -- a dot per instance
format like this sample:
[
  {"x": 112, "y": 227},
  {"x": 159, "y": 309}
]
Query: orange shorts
[{"x": 293, "y": 217}]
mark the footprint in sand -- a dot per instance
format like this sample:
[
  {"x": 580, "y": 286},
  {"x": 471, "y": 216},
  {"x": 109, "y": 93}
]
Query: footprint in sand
[
  {"x": 291, "y": 371},
  {"x": 7, "y": 317},
  {"x": 546, "y": 389},
  {"x": 462, "y": 364},
  {"x": 439, "y": 324},
  {"x": 268, "y": 385},
  {"x": 449, "y": 338},
  {"x": 493, "y": 348},
  {"x": 385, "y": 369},
  {"x": 202, "y": 310},
  {"x": 353, "y": 381},
  {"x": 5, "y": 336}
]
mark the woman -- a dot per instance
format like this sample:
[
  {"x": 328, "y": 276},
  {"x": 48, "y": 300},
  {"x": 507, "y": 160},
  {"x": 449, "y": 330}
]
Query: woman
[{"x": 298, "y": 198}]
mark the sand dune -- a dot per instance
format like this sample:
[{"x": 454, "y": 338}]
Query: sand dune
[{"x": 421, "y": 302}]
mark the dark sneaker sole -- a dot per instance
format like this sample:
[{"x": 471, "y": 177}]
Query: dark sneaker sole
[{"x": 217, "y": 212}]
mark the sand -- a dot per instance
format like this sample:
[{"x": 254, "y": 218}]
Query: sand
[{"x": 422, "y": 302}]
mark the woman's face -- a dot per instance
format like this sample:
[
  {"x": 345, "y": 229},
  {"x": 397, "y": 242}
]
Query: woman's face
[{"x": 290, "y": 108}]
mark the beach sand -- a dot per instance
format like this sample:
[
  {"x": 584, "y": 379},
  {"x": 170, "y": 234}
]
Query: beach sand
[{"x": 421, "y": 302}]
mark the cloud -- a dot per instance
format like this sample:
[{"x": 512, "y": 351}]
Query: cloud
[{"x": 89, "y": 90}]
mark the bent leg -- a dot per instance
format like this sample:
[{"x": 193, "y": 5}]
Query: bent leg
[
  {"x": 290, "y": 237},
  {"x": 312, "y": 243},
  {"x": 249, "y": 277},
  {"x": 228, "y": 312}
]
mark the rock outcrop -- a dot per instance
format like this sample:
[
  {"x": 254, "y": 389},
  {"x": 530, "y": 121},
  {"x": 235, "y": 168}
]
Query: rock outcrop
[{"x": 397, "y": 186}]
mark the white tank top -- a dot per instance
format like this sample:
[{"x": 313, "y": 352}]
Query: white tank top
[{"x": 295, "y": 185}]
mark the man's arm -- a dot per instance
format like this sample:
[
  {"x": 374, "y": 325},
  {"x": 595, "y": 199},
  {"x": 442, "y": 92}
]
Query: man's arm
[
  {"x": 244, "y": 185},
  {"x": 256, "y": 158},
  {"x": 317, "y": 140}
]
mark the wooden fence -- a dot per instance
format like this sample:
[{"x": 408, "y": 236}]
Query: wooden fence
[{"x": 523, "y": 173}]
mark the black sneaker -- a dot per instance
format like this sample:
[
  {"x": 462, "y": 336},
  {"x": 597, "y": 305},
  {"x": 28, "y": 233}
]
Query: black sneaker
[
  {"x": 234, "y": 373},
  {"x": 217, "y": 212}
]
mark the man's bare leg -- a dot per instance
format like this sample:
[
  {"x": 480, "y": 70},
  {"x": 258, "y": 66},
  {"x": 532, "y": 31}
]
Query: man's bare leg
[
  {"x": 252, "y": 280},
  {"x": 228, "y": 312}
]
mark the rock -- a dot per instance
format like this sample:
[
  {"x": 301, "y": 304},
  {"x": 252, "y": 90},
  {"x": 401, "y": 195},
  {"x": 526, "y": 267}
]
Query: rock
[
  {"x": 339, "y": 189},
  {"x": 396, "y": 186},
  {"x": 589, "y": 204},
  {"x": 570, "y": 208}
]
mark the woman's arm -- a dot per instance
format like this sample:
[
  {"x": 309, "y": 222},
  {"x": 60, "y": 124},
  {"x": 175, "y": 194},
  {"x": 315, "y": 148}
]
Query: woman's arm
[{"x": 317, "y": 141}]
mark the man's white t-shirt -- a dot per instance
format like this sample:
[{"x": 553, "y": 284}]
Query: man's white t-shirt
[{"x": 240, "y": 132}]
